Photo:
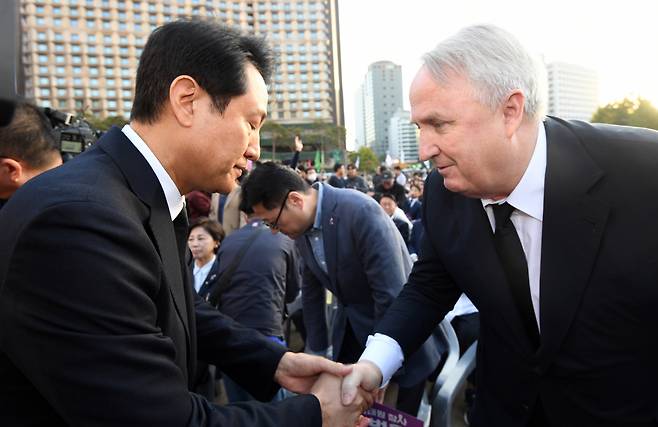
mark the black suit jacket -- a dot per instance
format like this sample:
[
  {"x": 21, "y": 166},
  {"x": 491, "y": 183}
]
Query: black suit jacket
[
  {"x": 97, "y": 327},
  {"x": 597, "y": 362}
]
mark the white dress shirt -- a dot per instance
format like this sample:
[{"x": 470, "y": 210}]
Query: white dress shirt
[
  {"x": 200, "y": 273},
  {"x": 175, "y": 201},
  {"x": 528, "y": 200}
]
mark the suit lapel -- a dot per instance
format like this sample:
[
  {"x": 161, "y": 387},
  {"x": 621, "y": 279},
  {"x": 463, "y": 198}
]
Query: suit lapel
[
  {"x": 484, "y": 270},
  {"x": 329, "y": 235},
  {"x": 572, "y": 228},
  {"x": 145, "y": 185}
]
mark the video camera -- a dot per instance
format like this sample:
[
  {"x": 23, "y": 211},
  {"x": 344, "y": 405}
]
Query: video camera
[{"x": 73, "y": 135}]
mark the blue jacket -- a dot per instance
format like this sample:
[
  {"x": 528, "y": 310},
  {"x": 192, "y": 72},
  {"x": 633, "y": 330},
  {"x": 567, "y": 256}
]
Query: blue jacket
[{"x": 367, "y": 265}]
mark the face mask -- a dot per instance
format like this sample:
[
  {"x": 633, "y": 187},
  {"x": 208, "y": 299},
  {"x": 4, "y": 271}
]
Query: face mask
[{"x": 311, "y": 176}]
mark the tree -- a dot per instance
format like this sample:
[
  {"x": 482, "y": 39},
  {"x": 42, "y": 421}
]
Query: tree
[
  {"x": 628, "y": 112},
  {"x": 106, "y": 123},
  {"x": 278, "y": 134},
  {"x": 367, "y": 159}
]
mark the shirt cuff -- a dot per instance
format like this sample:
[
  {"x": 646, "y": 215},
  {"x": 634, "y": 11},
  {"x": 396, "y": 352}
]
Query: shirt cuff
[{"x": 385, "y": 353}]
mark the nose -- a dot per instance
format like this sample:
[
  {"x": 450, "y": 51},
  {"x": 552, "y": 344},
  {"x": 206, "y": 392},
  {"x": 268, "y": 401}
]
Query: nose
[
  {"x": 253, "y": 148},
  {"x": 428, "y": 148}
]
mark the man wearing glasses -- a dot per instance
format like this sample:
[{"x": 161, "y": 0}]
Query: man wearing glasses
[{"x": 350, "y": 247}]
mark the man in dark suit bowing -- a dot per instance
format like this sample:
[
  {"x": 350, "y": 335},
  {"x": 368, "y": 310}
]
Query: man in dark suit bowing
[
  {"x": 549, "y": 227},
  {"x": 350, "y": 247},
  {"x": 97, "y": 324}
]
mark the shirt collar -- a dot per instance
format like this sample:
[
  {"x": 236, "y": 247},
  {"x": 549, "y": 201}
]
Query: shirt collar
[
  {"x": 317, "y": 224},
  {"x": 175, "y": 201},
  {"x": 205, "y": 266},
  {"x": 528, "y": 196}
]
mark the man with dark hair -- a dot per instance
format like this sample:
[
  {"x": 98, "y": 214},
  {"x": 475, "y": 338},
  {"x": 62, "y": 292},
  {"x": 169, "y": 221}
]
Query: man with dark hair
[
  {"x": 97, "y": 323},
  {"x": 338, "y": 178},
  {"x": 355, "y": 181},
  {"x": 350, "y": 247},
  {"x": 27, "y": 148}
]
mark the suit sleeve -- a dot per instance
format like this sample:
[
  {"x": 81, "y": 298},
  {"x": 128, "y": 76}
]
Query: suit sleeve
[
  {"x": 429, "y": 294},
  {"x": 378, "y": 246},
  {"x": 313, "y": 303},
  {"x": 243, "y": 353},
  {"x": 79, "y": 315}
]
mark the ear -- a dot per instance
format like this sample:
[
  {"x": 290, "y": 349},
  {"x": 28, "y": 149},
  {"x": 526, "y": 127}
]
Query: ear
[
  {"x": 513, "y": 111},
  {"x": 11, "y": 176},
  {"x": 296, "y": 199},
  {"x": 183, "y": 92}
]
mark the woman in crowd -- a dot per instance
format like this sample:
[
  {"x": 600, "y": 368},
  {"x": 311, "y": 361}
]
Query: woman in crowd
[{"x": 203, "y": 240}]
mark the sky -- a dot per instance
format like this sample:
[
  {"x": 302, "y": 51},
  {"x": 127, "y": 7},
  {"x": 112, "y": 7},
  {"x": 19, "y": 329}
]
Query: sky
[{"x": 619, "y": 40}]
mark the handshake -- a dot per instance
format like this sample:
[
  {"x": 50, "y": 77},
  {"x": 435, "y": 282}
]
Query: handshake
[{"x": 344, "y": 391}]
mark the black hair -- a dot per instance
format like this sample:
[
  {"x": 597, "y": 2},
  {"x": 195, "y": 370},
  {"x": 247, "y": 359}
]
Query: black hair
[
  {"x": 337, "y": 166},
  {"x": 268, "y": 184},
  {"x": 212, "y": 54},
  {"x": 387, "y": 195},
  {"x": 213, "y": 228},
  {"x": 28, "y": 137},
  {"x": 351, "y": 166}
]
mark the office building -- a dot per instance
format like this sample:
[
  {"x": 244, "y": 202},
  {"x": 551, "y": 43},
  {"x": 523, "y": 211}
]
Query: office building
[
  {"x": 377, "y": 101},
  {"x": 572, "y": 91},
  {"x": 403, "y": 137},
  {"x": 81, "y": 56}
]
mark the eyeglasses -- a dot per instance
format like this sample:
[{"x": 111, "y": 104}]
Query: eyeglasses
[{"x": 275, "y": 225}]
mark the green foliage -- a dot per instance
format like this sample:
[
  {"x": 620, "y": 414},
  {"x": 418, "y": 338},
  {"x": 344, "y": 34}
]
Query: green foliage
[
  {"x": 628, "y": 112},
  {"x": 106, "y": 123},
  {"x": 316, "y": 136},
  {"x": 367, "y": 159}
]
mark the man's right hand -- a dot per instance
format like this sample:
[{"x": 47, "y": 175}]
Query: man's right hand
[
  {"x": 365, "y": 375},
  {"x": 334, "y": 413}
]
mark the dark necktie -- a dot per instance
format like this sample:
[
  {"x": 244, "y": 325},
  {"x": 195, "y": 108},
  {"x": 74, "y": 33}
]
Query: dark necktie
[
  {"x": 512, "y": 258},
  {"x": 181, "y": 230}
]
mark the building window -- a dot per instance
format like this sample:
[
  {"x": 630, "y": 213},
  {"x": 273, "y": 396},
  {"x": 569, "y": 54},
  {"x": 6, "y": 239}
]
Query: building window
[
  {"x": 60, "y": 70},
  {"x": 44, "y": 92},
  {"x": 43, "y": 70},
  {"x": 61, "y": 92}
]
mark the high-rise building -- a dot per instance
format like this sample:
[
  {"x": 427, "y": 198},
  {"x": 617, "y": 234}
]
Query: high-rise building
[
  {"x": 403, "y": 137},
  {"x": 82, "y": 55},
  {"x": 381, "y": 97},
  {"x": 359, "y": 116},
  {"x": 573, "y": 91}
]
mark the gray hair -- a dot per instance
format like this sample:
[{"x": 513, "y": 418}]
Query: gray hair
[{"x": 496, "y": 64}]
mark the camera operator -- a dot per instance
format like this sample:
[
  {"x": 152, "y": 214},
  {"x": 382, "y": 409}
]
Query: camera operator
[{"x": 27, "y": 148}]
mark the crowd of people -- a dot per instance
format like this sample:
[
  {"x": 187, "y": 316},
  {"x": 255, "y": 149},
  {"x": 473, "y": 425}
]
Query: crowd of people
[{"x": 116, "y": 309}]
